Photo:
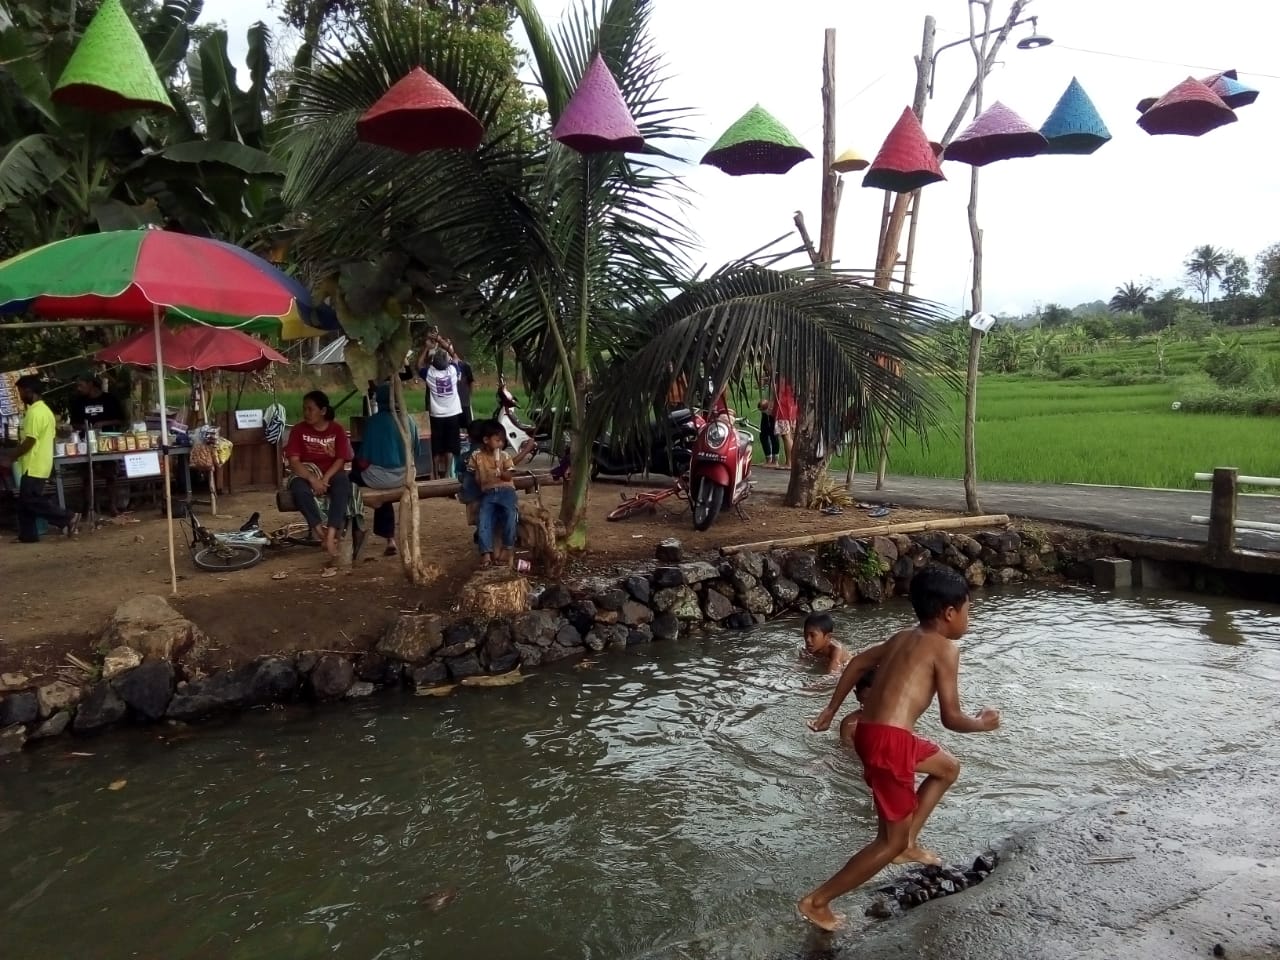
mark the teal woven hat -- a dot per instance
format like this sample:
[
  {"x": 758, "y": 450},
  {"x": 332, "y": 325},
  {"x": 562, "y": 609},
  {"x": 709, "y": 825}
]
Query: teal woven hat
[
  {"x": 756, "y": 143},
  {"x": 110, "y": 71},
  {"x": 1074, "y": 125}
]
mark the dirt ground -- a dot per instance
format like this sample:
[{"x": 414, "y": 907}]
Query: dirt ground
[{"x": 59, "y": 594}]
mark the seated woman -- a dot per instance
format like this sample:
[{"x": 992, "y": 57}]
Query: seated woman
[
  {"x": 319, "y": 451},
  {"x": 380, "y": 465}
]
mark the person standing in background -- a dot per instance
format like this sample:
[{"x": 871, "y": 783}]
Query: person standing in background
[
  {"x": 93, "y": 408},
  {"x": 785, "y": 412},
  {"x": 444, "y": 406},
  {"x": 34, "y": 457}
]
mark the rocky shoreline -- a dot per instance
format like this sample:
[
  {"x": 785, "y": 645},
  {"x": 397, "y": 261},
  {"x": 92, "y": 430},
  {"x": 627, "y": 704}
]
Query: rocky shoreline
[{"x": 153, "y": 666}]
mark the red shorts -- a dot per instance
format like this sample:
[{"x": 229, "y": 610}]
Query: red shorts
[{"x": 889, "y": 757}]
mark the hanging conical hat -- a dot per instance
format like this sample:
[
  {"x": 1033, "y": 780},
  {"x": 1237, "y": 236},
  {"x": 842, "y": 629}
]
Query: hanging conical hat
[
  {"x": 997, "y": 134},
  {"x": 906, "y": 160},
  {"x": 1190, "y": 109},
  {"x": 851, "y": 161},
  {"x": 756, "y": 143},
  {"x": 417, "y": 114},
  {"x": 110, "y": 71},
  {"x": 596, "y": 119},
  {"x": 1074, "y": 125},
  {"x": 1233, "y": 93}
]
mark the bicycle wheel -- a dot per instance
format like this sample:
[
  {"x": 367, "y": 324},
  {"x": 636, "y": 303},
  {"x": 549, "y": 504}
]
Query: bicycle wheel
[
  {"x": 629, "y": 508},
  {"x": 227, "y": 556}
]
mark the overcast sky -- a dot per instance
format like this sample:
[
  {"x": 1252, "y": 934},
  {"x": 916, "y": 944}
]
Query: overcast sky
[{"x": 1057, "y": 229}]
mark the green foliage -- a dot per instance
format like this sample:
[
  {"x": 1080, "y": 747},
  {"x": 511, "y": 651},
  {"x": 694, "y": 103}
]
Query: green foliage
[
  {"x": 1204, "y": 265},
  {"x": 1258, "y": 401},
  {"x": 1130, "y": 298},
  {"x": 1231, "y": 364}
]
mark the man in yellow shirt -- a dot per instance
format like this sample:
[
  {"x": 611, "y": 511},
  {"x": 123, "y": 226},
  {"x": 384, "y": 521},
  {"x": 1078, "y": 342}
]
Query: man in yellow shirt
[{"x": 34, "y": 456}]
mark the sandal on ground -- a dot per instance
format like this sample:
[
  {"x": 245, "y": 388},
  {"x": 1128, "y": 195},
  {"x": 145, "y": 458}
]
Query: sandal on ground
[{"x": 389, "y": 552}]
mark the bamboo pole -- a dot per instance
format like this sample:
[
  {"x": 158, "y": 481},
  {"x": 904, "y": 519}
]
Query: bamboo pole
[{"x": 857, "y": 533}]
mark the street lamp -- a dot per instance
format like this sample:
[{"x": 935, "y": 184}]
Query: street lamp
[{"x": 1033, "y": 42}]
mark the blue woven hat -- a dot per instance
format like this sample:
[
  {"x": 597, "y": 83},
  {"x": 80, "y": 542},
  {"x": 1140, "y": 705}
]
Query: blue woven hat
[{"x": 1074, "y": 126}]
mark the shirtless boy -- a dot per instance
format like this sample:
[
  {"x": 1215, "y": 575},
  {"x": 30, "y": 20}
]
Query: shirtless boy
[
  {"x": 820, "y": 642},
  {"x": 911, "y": 668}
]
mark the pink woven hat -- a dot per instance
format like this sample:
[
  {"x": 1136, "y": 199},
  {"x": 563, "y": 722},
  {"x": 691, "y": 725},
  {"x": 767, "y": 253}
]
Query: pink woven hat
[
  {"x": 997, "y": 134},
  {"x": 1190, "y": 109},
  {"x": 596, "y": 118}
]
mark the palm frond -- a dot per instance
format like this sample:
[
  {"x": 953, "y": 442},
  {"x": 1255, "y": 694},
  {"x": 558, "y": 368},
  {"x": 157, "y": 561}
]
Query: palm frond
[{"x": 833, "y": 335}]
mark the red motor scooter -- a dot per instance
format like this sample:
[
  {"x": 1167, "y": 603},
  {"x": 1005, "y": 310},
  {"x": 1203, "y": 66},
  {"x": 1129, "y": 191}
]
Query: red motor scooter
[{"x": 720, "y": 471}]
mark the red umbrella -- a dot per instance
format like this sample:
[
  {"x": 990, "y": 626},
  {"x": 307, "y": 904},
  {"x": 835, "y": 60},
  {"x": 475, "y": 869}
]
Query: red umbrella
[{"x": 193, "y": 348}]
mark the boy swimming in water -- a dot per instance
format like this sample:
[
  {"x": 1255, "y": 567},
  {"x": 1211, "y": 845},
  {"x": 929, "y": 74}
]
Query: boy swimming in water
[
  {"x": 820, "y": 642},
  {"x": 911, "y": 668}
]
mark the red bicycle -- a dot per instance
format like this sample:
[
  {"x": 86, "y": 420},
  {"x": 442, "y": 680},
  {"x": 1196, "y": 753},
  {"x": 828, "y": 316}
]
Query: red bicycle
[{"x": 648, "y": 500}]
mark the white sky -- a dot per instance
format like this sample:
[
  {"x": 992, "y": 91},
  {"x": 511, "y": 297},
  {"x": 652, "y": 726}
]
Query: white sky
[{"x": 1057, "y": 229}]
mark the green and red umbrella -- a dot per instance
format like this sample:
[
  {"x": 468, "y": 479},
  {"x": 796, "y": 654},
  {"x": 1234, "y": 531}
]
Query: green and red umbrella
[{"x": 131, "y": 275}]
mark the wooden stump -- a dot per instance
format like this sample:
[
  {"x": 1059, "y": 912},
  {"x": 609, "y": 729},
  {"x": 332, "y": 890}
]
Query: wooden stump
[
  {"x": 536, "y": 532},
  {"x": 494, "y": 592}
]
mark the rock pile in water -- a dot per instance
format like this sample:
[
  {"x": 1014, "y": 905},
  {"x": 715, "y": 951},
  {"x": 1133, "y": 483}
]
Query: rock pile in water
[{"x": 922, "y": 884}]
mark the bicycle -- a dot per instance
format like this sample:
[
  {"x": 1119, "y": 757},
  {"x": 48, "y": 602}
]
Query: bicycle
[
  {"x": 240, "y": 549},
  {"x": 648, "y": 500}
]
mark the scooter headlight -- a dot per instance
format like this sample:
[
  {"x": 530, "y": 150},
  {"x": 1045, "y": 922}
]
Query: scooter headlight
[{"x": 717, "y": 434}]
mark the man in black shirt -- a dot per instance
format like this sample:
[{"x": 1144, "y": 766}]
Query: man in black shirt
[{"x": 92, "y": 408}]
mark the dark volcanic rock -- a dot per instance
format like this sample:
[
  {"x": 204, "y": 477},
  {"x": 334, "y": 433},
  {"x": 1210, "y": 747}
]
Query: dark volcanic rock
[
  {"x": 147, "y": 689},
  {"x": 554, "y": 597},
  {"x": 666, "y": 626},
  {"x": 568, "y": 636},
  {"x": 669, "y": 551},
  {"x": 466, "y": 665},
  {"x": 666, "y": 577},
  {"x": 802, "y": 567},
  {"x": 749, "y": 563},
  {"x": 101, "y": 708},
  {"x": 274, "y": 679},
  {"x": 21, "y": 707},
  {"x": 537, "y": 628},
  {"x": 638, "y": 635},
  {"x": 639, "y": 587},
  {"x": 429, "y": 674},
  {"x": 375, "y": 668},
  {"x": 413, "y": 638},
  {"x": 332, "y": 677},
  {"x": 635, "y": 613},
  {"x": 739, "y": 620},
  {"x": 717, "y": 606},
  {"x": 613, "y": 599},
  {"x": 582, "y": 615},
  {"x": 460, "y": 638},
  {"x": 784, "y": 591},
  {"x": 506, "y": 663}
]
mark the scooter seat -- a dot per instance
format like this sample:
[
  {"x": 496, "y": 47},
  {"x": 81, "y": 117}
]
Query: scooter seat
[{"x": 681, "y": 415}]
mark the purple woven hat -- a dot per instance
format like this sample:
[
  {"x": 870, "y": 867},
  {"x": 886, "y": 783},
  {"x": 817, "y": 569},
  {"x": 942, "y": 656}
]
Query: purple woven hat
[
  {"x": 907, "y": 160},
  {"x": 997, "y": 134},
  {"x": 1190, "y": 109},
  {"x": 596, "y": 118}
]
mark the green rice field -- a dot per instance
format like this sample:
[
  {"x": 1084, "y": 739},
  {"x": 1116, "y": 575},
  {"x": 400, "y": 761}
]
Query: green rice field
[{"x": 1052, "y": 431}]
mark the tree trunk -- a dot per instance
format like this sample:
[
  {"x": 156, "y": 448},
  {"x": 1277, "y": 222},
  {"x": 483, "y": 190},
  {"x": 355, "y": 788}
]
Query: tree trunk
[
  {"x": 573, "y": 503},
  {"x": 810, "y": 456}
]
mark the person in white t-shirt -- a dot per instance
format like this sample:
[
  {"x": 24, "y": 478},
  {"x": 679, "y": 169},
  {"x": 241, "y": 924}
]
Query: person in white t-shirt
[{"x": 444, "y": 406}]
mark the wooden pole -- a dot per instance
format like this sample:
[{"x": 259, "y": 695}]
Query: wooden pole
[
  {"x": 167, "y": 462},
  {"x": 1222, "y": 512},
  {"x": 830, "y": 179},
  {"x": 857, "y": 533}
]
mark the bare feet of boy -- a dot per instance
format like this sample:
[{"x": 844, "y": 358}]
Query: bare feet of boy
[
  {"x": 820, "y": 917},
  {"x": 918, "y": 855}
]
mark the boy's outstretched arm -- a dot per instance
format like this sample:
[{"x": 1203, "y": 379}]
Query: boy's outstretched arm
[
  {"x": 947, "y": 675},
  {"x": 864, "y": 661}
]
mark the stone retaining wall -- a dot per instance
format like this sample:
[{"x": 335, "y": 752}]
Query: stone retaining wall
[{"x": 153, "y": 673}]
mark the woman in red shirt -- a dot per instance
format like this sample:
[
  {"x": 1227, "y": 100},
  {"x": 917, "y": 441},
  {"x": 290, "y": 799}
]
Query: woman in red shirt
[{"x": 319, "y": 451}]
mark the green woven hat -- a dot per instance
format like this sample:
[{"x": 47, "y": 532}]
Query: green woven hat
[
  {"x": 110, "y": 71},
  {"x": 757, "y": 143}
]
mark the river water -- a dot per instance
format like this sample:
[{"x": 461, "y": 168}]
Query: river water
[{"x": 666, "y": 802}]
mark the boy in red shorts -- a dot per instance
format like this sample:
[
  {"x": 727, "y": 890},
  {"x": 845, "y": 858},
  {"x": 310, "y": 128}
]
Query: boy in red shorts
[{"x": 911, "y": 668}]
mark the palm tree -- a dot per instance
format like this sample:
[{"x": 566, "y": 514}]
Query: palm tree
[
  {"x": 560, "y": 258},
  {"x": 1130, "y": 298},
  {"x": 1204, "y": 266}
]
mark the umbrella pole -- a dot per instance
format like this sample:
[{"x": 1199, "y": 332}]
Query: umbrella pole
[{"x": 164, "y": 448}]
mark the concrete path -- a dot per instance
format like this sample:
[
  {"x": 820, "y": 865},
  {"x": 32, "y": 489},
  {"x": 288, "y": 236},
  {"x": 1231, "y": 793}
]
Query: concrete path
[
  {"x": 1130, "y": 510},
  {"x": 1192, "y": 866}
]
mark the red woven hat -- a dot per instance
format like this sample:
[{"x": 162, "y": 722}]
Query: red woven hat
[
  {"x": 1190, "y": 109},
  {"x": 420, "y": 113},
  {"x": 596, "y": 119},
  {"x": 997, "y": 134},
  {"x": 906, "y": 161}
]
